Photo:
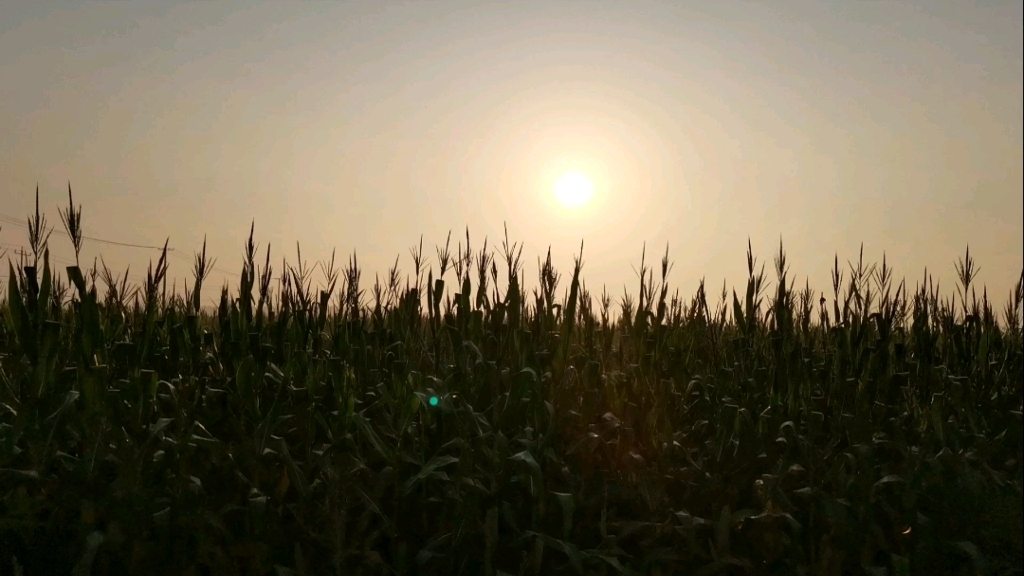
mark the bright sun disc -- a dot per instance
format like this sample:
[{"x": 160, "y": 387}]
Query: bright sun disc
[{"x": 573, "y": 189}]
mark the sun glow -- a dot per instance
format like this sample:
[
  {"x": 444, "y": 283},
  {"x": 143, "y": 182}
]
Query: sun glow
[{"x": 573, "y": 189}]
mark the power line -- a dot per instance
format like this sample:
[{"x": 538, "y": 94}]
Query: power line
[
  {"x": 23, "y": 250},
  {"x": 170, "y": 251},
  {"x": 16, "y": 222},
  {"x": 26, "y": 251},
  {"x": 19, "y": 248}
]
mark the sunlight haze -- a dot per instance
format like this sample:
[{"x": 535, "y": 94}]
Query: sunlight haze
[{"x": 364, "y": 125}]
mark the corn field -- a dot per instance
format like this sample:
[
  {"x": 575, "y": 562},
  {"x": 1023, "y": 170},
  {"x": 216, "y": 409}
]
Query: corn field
[{"x": 439, "y": 423}]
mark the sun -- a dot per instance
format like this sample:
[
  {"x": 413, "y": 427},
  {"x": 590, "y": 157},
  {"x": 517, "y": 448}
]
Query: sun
[{"x": 573, "y": 189}]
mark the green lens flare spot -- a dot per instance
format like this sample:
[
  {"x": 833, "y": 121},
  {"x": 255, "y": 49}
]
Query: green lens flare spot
[{"x": 433, "y": 400}]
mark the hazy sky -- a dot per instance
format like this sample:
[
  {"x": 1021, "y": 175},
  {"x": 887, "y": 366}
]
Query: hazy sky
[{"x": 362, "y": 125}]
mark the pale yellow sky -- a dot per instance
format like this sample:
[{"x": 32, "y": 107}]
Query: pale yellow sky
[{"x": 361, "y": 125}]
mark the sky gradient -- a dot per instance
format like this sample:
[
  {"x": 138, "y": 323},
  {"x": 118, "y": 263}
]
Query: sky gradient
[{"x": 362, "y": 125}]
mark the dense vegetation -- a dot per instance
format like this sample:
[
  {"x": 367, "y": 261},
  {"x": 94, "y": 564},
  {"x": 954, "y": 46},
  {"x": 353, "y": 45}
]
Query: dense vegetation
[{"x": 473, "y": 430}]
